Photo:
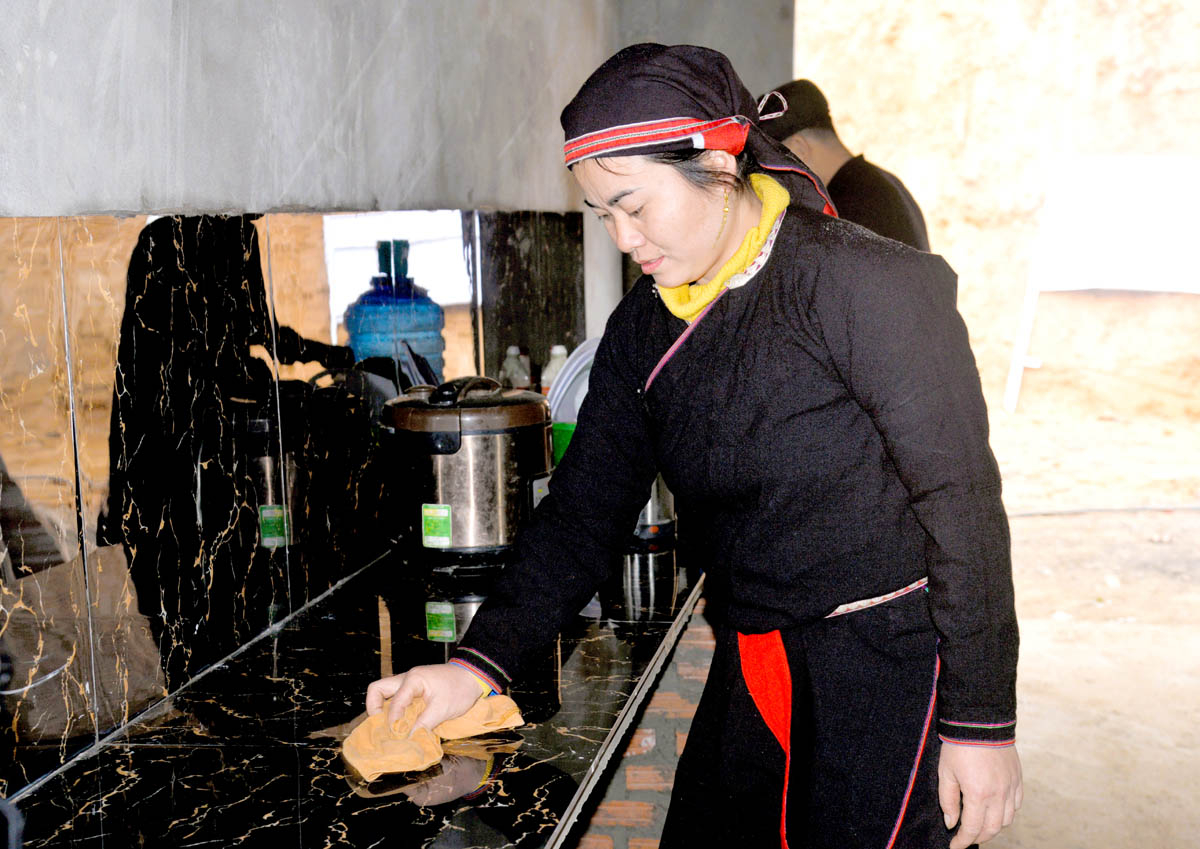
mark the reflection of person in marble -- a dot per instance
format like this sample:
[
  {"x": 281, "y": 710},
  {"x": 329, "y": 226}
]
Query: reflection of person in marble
[
  {"x": 180, "y": 497},
  {"x": 26, "y": 546}
]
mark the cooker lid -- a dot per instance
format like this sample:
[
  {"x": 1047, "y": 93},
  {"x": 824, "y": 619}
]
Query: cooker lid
[{"x": 467, "y": 405}]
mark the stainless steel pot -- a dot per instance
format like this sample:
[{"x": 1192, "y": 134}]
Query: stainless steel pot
[{"x": 480, "y": 453}]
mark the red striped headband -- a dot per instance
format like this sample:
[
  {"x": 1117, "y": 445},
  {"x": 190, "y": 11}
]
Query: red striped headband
[{"x": 727, "y": 134}]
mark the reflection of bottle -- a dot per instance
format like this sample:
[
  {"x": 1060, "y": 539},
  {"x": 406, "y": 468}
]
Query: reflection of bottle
[
  {"x": 274, "y": 523},
  {"x": 558, "y": 358},
  {"x": 513, "y": 372}
]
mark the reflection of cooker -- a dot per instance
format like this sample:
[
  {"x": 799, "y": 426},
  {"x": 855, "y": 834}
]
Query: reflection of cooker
[
  {"x": 452, "y": 595},
  {"x": 646, "y": 588},
  {"x": 432, "y": 606},
  {"x": 481, "y": 457}
]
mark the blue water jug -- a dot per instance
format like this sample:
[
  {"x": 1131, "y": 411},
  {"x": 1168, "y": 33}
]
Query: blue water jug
[{"x": 395, "y": 310}]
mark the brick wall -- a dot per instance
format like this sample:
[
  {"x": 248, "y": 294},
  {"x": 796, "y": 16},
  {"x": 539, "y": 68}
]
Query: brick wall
[{"x": 634, "y": 806}]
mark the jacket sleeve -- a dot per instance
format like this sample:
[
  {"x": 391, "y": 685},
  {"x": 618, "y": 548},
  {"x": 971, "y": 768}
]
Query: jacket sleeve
[
  {"x": 889, "y": 319},
  {"x": 579, "y": 530}
]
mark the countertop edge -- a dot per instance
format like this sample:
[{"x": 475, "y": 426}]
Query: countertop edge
[{"x": 625, "y": 718}]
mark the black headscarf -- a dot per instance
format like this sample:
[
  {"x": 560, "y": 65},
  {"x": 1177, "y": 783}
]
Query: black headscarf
[{"x": 651, "y": 98}]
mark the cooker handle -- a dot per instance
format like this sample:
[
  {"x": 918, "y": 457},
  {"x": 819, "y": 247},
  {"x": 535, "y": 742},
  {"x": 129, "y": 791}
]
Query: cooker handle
[{"x": 453, "y": 391}]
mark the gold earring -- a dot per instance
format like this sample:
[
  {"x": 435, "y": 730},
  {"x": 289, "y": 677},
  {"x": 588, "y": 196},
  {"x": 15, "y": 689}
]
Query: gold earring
[{"x": 724, "y": 218}]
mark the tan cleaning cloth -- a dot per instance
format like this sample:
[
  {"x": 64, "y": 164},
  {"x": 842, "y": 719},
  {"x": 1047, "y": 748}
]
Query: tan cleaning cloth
[
  {"x": 377, "y": 747},
  {"x": 494, "y": 713}
]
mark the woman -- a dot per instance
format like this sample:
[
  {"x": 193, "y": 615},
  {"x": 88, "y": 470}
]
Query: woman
[{"x": 807, "y": 391}]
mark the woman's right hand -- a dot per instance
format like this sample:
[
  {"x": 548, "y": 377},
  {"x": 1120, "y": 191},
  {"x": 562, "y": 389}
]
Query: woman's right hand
[{"x": 449, "y": 691}]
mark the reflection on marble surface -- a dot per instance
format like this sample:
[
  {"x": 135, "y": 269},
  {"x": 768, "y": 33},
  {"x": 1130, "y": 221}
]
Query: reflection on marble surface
[
  {"x": 155, "y": 346},
  {"x": 530, "y": 278},
  {"x": 77, "y": 675},
  {"x": 248, "y": 753},
  {"x": 187, "y": 397},
  {"x": 43, "y": 604},
  {"x": 163, "y": 403}
]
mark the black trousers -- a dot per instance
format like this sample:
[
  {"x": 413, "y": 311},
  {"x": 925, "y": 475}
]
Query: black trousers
[{"x": 864, "y": 747}]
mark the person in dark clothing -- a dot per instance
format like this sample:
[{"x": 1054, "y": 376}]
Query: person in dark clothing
[
  {"x": 862, "y": 191},
  {"x": 179, "y": 499},
  {"x": 26, "y": 544},
  {"x": 807, "y": 391}
]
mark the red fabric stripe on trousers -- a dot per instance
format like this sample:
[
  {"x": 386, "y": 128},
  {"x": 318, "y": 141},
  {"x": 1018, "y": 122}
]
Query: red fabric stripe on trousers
[
  {"x": 912, "y": 776},
  {"x": 769, "y": 680}
]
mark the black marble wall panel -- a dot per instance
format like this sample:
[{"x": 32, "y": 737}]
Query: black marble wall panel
[
  {"x": 529, "y": 267},
  {"x": 192, "y": 421},
  {"x": 142, "y": 414}
]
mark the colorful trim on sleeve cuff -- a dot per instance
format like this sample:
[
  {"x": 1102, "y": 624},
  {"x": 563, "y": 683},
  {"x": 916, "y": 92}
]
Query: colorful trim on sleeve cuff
[
  {"x": 481, "y": 661},
  {"x": 987, "y": 744},
  {"x": 996, "y": 734},
  {"x": 486, "y": 683},
  {"x": 489, "y": 772}
]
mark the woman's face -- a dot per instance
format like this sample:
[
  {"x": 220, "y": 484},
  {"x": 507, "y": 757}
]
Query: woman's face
[{"x": 669, "y": 226}]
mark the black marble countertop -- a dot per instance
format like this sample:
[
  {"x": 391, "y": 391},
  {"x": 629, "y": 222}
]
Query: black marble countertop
[{"x": 248, "y": 753}]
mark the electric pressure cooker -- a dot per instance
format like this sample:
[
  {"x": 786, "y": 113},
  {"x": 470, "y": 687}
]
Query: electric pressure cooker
[{"x": 479, "y": 461}]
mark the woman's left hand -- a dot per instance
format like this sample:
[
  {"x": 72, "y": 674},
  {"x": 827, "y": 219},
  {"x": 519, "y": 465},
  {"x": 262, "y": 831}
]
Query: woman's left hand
[{"x": 979, "y": 789}]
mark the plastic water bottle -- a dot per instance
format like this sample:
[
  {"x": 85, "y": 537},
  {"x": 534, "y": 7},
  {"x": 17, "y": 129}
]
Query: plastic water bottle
[
  {"x": 395, "y": 310},
  {"x": 558, "y": 358},
  {"x": 513, "y": 371}
]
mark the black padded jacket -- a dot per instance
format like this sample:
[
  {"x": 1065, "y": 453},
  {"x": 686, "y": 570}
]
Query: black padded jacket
[{"x": 825, "y": 436}]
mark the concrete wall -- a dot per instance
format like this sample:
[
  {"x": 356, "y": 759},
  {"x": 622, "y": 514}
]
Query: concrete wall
[
  {"x": 139, "y": 105},
  {"x": 756, "y": 35},
  {"x": 231, "y": 105}
]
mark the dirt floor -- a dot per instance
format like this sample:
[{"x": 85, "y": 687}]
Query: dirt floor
[
  {"x": 1102, "y": 483},
  {"x": 1108, "y": 679}
]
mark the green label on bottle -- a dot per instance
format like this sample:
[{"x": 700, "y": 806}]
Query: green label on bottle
[
  {"x": 439, "y": 621},
  {"x": 435, "y": 525},
  {"x": 272, "y": 526}
]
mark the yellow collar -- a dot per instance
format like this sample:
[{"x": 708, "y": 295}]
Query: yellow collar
[{"x": 689, "y": 300}]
